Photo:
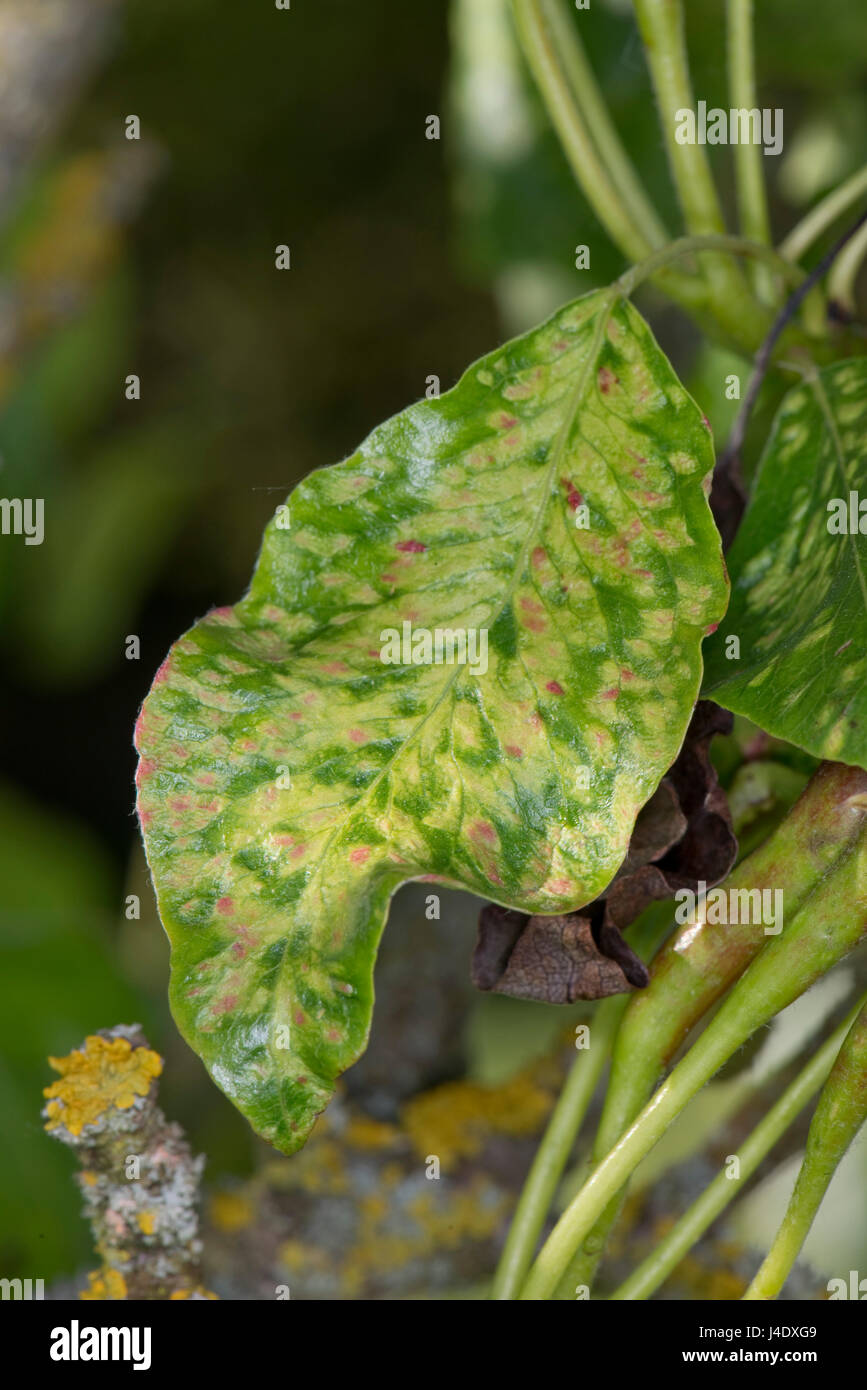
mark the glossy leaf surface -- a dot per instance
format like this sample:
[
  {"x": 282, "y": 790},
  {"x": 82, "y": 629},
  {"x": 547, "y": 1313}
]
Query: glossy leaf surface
[
  {"x": 552, "y": 507},
  {"x": 799, "y": 577}
]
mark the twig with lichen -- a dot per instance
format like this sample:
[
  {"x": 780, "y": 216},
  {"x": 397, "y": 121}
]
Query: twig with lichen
[{"x": 139, "y": 1179}]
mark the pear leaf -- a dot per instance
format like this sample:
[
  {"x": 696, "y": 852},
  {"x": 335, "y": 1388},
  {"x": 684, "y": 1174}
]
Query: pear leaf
[
  {"x": 468, "y": 654},
  {"x": 790, "y": 655}
]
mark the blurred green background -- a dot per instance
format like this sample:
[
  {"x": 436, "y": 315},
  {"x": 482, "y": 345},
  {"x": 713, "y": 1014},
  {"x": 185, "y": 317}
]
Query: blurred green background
[{"x": 409, "y": 257}]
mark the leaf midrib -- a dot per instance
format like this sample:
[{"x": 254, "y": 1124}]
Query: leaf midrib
[{"x": 557, "y": 451}]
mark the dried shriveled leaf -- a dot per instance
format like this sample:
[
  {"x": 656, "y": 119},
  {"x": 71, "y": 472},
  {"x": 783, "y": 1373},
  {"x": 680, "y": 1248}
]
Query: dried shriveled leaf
[
  {"x": 799, "y": 595},
  {"x": 682, "y": 836},
  {"x": 290, "y": 780}
]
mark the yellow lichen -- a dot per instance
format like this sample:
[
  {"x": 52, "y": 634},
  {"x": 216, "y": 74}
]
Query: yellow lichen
[
  {"x": 440, "y": 1224},
  {"x": 198, "y": 1291},
  {"x": 454, "y": 1121},
  {"x": 147, "y": 1222},
  {"x": 105, "y": 1284},
  {"x": 297, "y": 1256},
  {"x": 104, "y": 1074},
  {"x": 319, "y": 1168},
  {"x": 372, "y": 1135},
  {"x": 230, "y": 1211}
]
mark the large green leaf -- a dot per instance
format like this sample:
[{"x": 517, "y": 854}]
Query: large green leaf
[
  {"x": 290, "y": 780},
  {"x": 799, "y": 589}
]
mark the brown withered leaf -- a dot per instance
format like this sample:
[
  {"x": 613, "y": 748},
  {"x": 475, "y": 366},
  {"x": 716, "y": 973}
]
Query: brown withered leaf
[
  {"x": 683, "y": 835},
  {"x": 552, "y": 959}
]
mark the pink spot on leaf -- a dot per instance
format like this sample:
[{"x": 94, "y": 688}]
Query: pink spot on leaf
[
  {"x": 482, "y": 830},
  {"x": 573, "y": 496}
]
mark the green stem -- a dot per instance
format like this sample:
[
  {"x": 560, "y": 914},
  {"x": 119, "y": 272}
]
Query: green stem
[
  {"x": 823, "y": 216},
  {"x": 780, "y": 973},
  {"x": 532, "y": 20},
  {"x": 839, "y": 1115},
  {"x": 698, "y": 965},
  {"x": 537, "y": 42},
  {"x": 549, "y": 1164},
  {"x": 588, "y": 96},
  {"x": 662, "y": 29},
  {"x": 661, "y": 23},
  {"x": 660, "y": 1263},
  {"x": 749, "y": 170},
  {"x": 844, "y": 274},
  {"x": 686, "y": 245},
  {"x": 554, "y": 1150}
]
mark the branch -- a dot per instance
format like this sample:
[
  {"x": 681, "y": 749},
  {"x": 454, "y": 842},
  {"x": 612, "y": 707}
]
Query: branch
[{"x": 140, "y": 1183}]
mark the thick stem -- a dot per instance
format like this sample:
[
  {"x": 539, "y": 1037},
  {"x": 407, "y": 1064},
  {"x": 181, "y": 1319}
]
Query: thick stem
[
  {"x": 540, "y": 50},
  {"x": 785, "y": 967},
  {"x": 661, "y": 23},
  {"x": 660, "y": 1263},
  {"x": 662, "y": 30},
  {"x": 588, "y": 96},
  {"x": 695, "y": 969},
  {"x": 554, "y": 1150},
  {"x": 841, "y": 1112},
  {"x": 749, "y": 169},
  {"x": 559, "y": 1139}
]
